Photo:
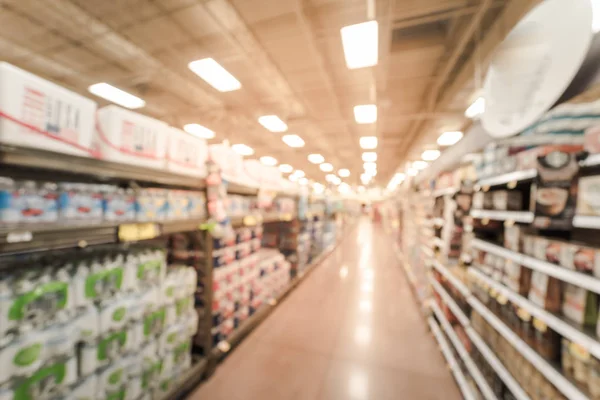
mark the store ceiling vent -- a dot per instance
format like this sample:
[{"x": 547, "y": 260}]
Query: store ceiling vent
[{"x": 409, "y": 32}]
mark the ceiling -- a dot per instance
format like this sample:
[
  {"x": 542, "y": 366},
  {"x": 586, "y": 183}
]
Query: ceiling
[{"x": 288, "y": 56}]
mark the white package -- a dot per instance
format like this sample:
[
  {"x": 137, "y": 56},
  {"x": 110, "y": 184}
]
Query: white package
[
  {"x": 41, "y": 114},
  {"x": 131, "y": 138},
  {"x": 186, "y": 154}
]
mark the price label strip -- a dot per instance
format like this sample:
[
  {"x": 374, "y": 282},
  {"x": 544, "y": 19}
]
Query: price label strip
[{"x": 137, "y": 232}]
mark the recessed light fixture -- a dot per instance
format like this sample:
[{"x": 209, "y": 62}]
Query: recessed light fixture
[
  {"x": 273, "y": 123},
  {"x": 365, "y": 114},
  {"x": 303, "y": 181},
  {"x": 318, "y": 188},
  {"x": 344, "y": 173},
  {"x": 299, "y": 173},
  {"x": 361, "y": 44},
  {"x": 369, "y": 156},
  {"x": 419, "y": 165},
  {"x": 344, "y": 187},
  {"x": 336, "y": 181},
  {"x": 293, "y": 178},
  {"x": 430, "y": 155},
  {"x": 215, "y": 75},
  {"x": 330, "y": 177},
  {"x": 371, "y": 172},
  {"x": 370, "y": 166},
  {"x": 286, "y": 168},
  {"x": 293, "y": 140},
  {"x": 368, "y": 142},
  {"x": 412, "y": 172},
  {"x": 268, "y": 160},
  {"x": 116, "y": 95},
  {"x": 449, "y": 138},
  {"x": 242, "y": 149},
  {"x": 316, "y": 158},
  {"x": 326, "y": 167},
  {"x": 476, "y": 109},
  {"x": 365, "y": 178},
  {"x": 199, "y": 131}
]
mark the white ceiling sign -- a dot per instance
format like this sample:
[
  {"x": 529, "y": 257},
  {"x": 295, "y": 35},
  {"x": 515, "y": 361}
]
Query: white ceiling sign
[{"x": 535, "y": 64}]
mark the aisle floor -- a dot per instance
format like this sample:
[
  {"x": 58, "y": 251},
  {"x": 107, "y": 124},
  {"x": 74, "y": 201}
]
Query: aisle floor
[{"x": 351, "y": 330}]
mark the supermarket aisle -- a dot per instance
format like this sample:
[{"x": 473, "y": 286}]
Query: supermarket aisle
[{"x": 351, "y": 330}]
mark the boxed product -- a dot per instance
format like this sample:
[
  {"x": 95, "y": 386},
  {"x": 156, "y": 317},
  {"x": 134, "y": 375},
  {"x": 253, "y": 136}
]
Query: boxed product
[
  {"x": 555, "y": 192},
  {"x": 545, "y": 291},
  {"x": 229, "y": 162},
  {"x": 81, "y": 201},
  {"x": 43, "y": 115},
  {"x": 529, "y": 245},
  {"x": 127, "y": 137},
  {"x": 186, "y": 153},
  {"x": 580, "y": 305},
  {"x": 151, "y": 204},
  {"x": 547, "y": 249},
  {"x": 506, "y": 200},
  {"x": 588, "y": 199},
  {"x": 119, "y": 204},
  {"x": 580, "y": 257},
  {"x": 512, "y": 238}
]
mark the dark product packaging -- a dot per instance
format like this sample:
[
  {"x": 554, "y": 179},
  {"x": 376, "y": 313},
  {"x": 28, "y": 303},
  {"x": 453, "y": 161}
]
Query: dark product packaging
[
  {"x": 545, "y": 291},
  {"x": 555, "y": 194},
  {"x": 504, "y": 200},
  {"x": 580, "y": 257},
  {"x": 547, "y": 342}
]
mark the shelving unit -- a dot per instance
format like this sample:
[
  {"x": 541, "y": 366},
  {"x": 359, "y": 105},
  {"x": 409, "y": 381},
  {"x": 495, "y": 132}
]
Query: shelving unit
[
  {"x": 565, "y": 328},
  {"x": 453, "y": 279},
  {"x": 462, "y": 352},
  {"x": 456, "y": 310},
  {"x": 576, "y": 278},
  {"x": 505, "y": 179},
  {"x": 544, "y": 367},
  {"x": 586, "y": 221},
  {"x": 515, "y": 216},
  {"x": 452, "y": 364}
]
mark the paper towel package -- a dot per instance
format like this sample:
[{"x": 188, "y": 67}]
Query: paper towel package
[
  {"x": 186, "y": 154},
  {"x": 128, "y": 137},
  {"x": 40, "y": 114}
]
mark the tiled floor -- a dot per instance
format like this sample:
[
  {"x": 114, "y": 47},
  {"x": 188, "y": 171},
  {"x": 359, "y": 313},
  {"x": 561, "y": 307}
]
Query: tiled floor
[{"x": 350, "y": 331}]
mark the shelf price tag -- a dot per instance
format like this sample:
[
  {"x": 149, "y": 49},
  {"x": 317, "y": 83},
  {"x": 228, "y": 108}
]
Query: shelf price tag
[
  {"x": 249, "y": 220},
  {"x": 19, "y": 237},
  {"x": 136, "y": 232}
]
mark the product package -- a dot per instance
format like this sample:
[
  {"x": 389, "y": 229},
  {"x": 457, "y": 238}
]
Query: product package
[
  {"x": 63, "y": 121},
  {"x": 545, "y": 291},
  {"x": 186, "y": 153},
  {"x": 580, "y": 305},
  {"x": 507, "y": 200}
]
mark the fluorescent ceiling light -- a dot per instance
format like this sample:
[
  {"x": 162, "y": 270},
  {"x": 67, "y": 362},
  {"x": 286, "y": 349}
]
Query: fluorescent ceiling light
[
  {"x": 199, "y": 131},
  {"x": 399, "y": 176},
  {"x": 365, "y": 114},
  {"x": 449, "y": 138},
  {"x": 411, "y": 172},
  {"x": 371, "y": 172},
  {"x": 316, "y": 158},
  {"x": 318, "y": 188},
  {"x": 344, "y": 187},
  {"x": 337, "y": 180},
  {"x": 326, "y": 167},
  {"x": 476, "y": 109},
  {"x": 361, "y": 44},
  {"x": 242, "y": 149},
  {"x": 272, "y": 123},
  {"x": 395, "y": 181},
  {"x": 344, "y": 173},
  {"x": 303, "y": 181},
  {"x": 368, "y": 142},
  {"x": 419, "y": 165},
  {"x": 293, "y": 140},
  {"x": 286, "y": 168},
  {"x": 299, "y": 173},
  {"x": 430, "y": 155},
  {"x": 293, "y": 178},
  {"x": 369, "y": 156},
  {"x": 116, "y": 95},
  {"x": 330, "y": 177},
  {"x": 370, "y": 166},
  {"x": 365, "y": 178},
  {"x": 215, "y": 75},
  {"x": 268, "y": 160}
]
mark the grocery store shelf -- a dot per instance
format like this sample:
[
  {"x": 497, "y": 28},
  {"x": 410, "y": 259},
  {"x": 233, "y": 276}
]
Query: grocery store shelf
[
  {"x": 449, "y": 356},
  {"x": 48, "y": 163},
  {"x": 460, "y": 286},
  {"x": 444, "y": 192},
  {"x": 586, "y": 221},
  {"x": 504, "y": 179},
  {"x": 436, "y": 241},
  {"x": 449, "y": 301},
  {"x": 576, "y": 278},
  {"x": 427, "y": 251},
  {"x": 525, "y": 217},
  {"x": 559, "y": 325},
  {"x": 45, "y": 237},
  {"x": 464, "y": 354},
  {"x": 187, "y": 381},
  {"x": 497, "y": 365},
  {"x": 240, "y": 189},
  {"x": 558, "y": 380}
]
